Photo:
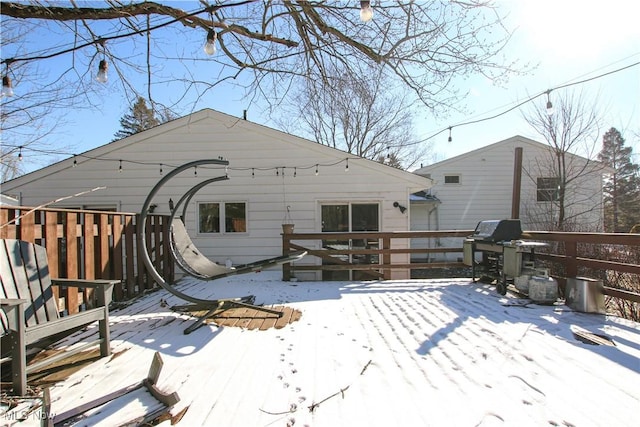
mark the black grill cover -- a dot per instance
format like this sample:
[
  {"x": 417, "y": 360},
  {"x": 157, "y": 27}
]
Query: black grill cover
[{"x": 497, "y": 230}]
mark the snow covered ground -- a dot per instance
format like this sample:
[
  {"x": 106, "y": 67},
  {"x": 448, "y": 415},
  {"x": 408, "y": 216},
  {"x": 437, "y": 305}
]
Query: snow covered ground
[{"x": 386, "y": 353}]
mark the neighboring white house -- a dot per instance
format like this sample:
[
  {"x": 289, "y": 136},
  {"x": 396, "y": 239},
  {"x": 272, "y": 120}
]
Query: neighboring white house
[
  {"x": 478, "y": 185},
  {"x": 239, "y": 219}
]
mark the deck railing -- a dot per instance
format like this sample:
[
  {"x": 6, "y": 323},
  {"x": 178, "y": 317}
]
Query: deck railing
[
  {"x": 568, "y": 255},
  {"x": 87, "y": 244}
]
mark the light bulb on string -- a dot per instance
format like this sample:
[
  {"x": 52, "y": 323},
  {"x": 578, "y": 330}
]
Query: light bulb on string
[
  {"x": 102, "y": 75},
  {"x": 450, "y": 138},
  {"x": 160, "y": 168},
  {"x": 295, "y": 172},
  {"x": 7, "y": 87},
  {"x": 366, "y": 12},
  {"x": 103, "y": 65},
  {"x": 317, "y": 172},
  {"x": 75, "y": 161},
  {"x": 210, "y": 45},
  {"x": 195, "y": 170},
  {"x": 549, "y": 104},
  {"x": 346, "y": 168},
  {"x": 20, "y": 154},
  {"x": 253, "y": 173},
  {"x": 120, "y": 167}
]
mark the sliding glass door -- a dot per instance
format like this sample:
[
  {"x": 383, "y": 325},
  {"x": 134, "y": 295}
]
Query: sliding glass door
[{"x": 346, "y": 217}]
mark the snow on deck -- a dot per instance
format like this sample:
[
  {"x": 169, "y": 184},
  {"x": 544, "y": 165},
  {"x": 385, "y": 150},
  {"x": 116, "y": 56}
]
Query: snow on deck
[{"x": 388, "y": 353}]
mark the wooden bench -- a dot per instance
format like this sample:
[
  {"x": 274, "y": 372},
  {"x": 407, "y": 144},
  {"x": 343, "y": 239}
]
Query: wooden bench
[{"x": 29, "y": 316}]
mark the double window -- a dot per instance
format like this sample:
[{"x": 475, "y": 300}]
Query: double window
[
  {"x": 548, "y": 189},
  {"x": 219, "y": 217}
]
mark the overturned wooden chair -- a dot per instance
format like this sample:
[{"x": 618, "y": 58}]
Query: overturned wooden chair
[{"x": 29, "y": 316}]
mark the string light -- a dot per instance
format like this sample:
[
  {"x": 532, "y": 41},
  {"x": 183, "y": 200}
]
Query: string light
[
  {"x": 346, "y": 168},
  {"x": 120, "y": 167},
  {"x": 102, "y": 75},
  {"x": 366, "y": 12},
  {"x": 253, "y": 173},
  {"x": 103, "y": 66},
  {"x": 549, "y": 104},
  {"x": 160, "y": 168},
  {"x": 7, "y": 87},
  {"x": 295, "y": 171},
  {"x": 75, "y": 161},
  {"x": 450, "y": 138},
  {"x": 195, "y": 170},
  {"x": 210, "y": 45},
  {"x": 20, "y": 154},
  {"x": 317, "y": 172}
]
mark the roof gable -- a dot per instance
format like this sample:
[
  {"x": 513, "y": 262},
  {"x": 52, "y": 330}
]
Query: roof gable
[
  {"x": 221, "y": 123},
  {"x": 514, "y": 141}
]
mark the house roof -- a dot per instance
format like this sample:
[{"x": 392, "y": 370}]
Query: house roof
[
  {"x": 382, "y": 353},
  {"x": 515, "y": 141},
  {"x": 110, "y": 149}
]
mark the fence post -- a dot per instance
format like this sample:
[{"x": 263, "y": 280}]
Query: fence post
[
  {"x": 286, "y": 248},
  {"x": 386, "y": 257},
  {"x": 571, "y": 252}
]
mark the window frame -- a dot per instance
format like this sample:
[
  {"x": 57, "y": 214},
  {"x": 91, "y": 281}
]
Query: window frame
[
  {"x": 452, "y": 175},
  {"x": 549, "y": 192},
  {"x": 222, "y": 225}
]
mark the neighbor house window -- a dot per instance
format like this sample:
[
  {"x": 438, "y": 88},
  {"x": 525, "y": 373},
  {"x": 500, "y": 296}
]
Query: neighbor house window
[
  {"x": 452, "y": 179},
  {"x": 215, "y": 217},
  {"x": 548, "y": 189}
]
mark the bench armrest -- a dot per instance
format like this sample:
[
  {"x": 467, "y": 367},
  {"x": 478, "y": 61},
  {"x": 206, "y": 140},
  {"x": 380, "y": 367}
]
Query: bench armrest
[
  {"x": 104, "y": 287},
  {"x": 9, "y": 302},
  {"x": 84, "y": 283}
]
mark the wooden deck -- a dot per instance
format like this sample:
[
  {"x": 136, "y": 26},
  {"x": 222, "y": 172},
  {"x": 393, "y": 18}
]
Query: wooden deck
[{"x": 385, "y": 353}]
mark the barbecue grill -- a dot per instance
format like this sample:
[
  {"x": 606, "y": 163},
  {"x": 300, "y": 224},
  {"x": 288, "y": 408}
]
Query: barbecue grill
[{"x": 506, "y": 258}]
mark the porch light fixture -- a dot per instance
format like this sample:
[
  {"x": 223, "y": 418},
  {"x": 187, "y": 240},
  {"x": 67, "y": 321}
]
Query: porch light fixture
[
  {"x": 366, "y": 12},
  {"x": 210, "y": 45},
  {"x": 7, "y": 87},
  {"x": 399, "y": 206},
  {"x": 102, "y": 76}
]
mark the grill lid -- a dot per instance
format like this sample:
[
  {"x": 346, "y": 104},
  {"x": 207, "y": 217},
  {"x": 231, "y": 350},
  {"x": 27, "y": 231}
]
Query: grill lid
[{"x": 497, "y": 230}]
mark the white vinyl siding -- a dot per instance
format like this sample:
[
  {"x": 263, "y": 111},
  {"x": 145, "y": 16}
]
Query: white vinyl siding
[{"x": 254, "y": 152}]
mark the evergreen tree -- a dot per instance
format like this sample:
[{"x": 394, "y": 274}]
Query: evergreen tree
[
  {"x": 139, "y": 119},
  {"x": 622, "y": 188}
]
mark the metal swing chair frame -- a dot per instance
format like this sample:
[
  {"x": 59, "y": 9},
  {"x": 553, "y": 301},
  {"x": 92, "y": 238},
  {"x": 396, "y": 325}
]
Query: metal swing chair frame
[{"x": 184, "y": 252}]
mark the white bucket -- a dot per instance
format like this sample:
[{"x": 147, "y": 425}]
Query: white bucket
[{"x": 543, "y": 290}]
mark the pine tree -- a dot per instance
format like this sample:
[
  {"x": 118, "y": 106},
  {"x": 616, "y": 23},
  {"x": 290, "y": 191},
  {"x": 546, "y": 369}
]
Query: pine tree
[
  {"x": 139, "y": 119},
  {"x": 622, "y": 188}
]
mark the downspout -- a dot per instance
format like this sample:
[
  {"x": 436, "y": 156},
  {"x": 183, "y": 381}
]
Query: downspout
[{"x": 517, "y": 184}]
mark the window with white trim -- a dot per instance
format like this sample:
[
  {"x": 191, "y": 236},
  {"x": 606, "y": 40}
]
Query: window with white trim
[
  {"x": 548, "y": 189},
  {"x": 222, "y": 217}
]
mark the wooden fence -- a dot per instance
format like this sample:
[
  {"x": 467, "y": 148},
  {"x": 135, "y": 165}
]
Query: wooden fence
[
  {"x": 85, "y": 244},
  {"x": 569, "y": 254}
]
